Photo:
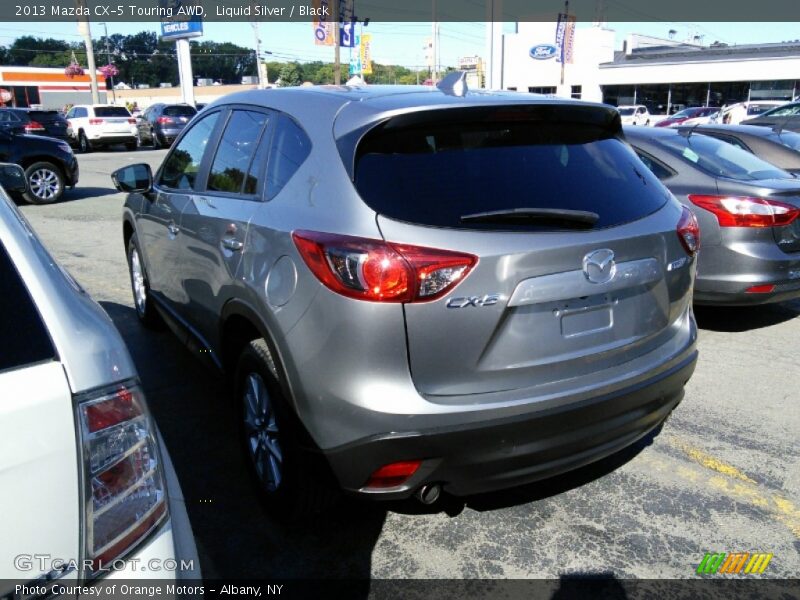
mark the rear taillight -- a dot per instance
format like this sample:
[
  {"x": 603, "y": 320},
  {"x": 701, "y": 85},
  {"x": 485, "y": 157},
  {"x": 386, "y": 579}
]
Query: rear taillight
[
  {"x": 689, "y": 232},
  {"x": 125, "y": 497},
  {"x": 132, "y": 121},
  {"x": 744, "y": 211},
  {"x": 381, "y": 271},
  {"x": 164, "y": 120},
  {"x": 96, "y": 121},
  {"x": 33, "y": 126}
]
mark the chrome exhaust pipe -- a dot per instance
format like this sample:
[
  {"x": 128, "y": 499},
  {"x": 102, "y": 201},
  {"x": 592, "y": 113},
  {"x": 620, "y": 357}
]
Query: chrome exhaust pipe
[{"x": 429, "y": 493}]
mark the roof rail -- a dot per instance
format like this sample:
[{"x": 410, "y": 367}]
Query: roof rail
[{"x": 454, "y": 84}]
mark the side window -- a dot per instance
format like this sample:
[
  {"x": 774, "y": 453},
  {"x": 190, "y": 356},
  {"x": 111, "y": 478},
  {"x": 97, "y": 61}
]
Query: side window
[
  {"x": 733, "y": 142},
  {"x": 290, "y": 148},
  {"x": 4, "y": 116},
  {"x": 235, "y": 151},
  {"x": 659, "y": 170},
  {"x": 70, "y": 114},
  {"x": 80, "y": 113},
  {"x": 23, "y": 337},
  {"x": 181, "y": 167}
]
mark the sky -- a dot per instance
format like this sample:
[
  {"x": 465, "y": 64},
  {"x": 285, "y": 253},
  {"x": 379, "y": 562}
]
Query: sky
[{"x": 403, "y": 43}]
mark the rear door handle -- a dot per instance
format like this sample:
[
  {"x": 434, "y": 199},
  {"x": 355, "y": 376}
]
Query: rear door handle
[{"x": 232, "y": 244}]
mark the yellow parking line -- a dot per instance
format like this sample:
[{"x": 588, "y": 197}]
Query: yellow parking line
[{"x": 712, "y": 463}]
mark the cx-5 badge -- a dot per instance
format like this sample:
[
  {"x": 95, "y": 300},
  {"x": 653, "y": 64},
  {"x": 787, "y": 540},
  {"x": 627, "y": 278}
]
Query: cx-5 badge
[{"x": 487, "y": 300}]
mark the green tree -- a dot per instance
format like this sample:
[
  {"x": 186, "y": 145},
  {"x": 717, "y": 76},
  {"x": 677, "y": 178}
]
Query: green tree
[{"x": 291, "y": 74}]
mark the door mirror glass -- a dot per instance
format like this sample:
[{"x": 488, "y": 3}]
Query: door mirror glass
[
  {"x": 12, "y": 178},
  {"x": 136, "y": 178}
]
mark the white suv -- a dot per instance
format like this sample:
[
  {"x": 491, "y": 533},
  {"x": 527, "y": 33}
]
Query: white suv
[
  {"x": 102, "y": 125},
  {"x": 634, "y": 115}
]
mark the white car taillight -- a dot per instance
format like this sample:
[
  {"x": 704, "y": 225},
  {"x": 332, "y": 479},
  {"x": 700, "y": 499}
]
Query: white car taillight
[{"x": 125, "y": 497}]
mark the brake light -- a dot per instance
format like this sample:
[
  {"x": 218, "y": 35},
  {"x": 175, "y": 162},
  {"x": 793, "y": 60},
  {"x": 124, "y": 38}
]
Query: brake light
[
  {"x": 164, "y": 120},
  {"x": 689, "y": 232},
  {"x": 381, "y": 271},
  {"x": 745, "y": 211},
  {"x": 760, "y": 289},
  {"x": 96, "y": 121},
  {"x": 125, "y": 496},
  {"x": 132, "y": 121},
  {"x": 393, "y": 474},
  {"x": 33, "y": 126}
]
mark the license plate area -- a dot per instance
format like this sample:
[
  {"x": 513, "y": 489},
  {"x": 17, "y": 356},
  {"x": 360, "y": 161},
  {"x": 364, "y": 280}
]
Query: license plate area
[{"x": 586, "y": 316}]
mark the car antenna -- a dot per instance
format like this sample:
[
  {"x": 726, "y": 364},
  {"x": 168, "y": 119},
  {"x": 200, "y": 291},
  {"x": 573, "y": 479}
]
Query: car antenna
[
  {"x": 454, "y": 84},
  {"x": 779, "y": 128},
  {"x": 687, "y": 133}
]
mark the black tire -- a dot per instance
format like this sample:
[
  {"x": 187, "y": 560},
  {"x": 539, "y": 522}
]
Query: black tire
[
  {"x": 83, "y": 143},
  {"x": 305, "y": 486},
  {"x": 145, "y": 309},
  {"x": 131, "y": 146},
  {"x": 45, "y": 183}
]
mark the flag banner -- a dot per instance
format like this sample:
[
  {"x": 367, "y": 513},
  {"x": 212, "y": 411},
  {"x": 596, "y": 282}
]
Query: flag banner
[
  {"x": 323, "y": 26},
  {"x": 366, "y": 53},
  {"x": 347, "y": 27}
]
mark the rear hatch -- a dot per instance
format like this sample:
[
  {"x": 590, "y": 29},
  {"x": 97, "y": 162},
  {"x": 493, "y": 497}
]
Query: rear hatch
[
  {"x": 114, "y": 119},
  {"x": 572, "y": 233},
  {"x": 176, "y": 117},
  {"x": 53, "y": 123}
]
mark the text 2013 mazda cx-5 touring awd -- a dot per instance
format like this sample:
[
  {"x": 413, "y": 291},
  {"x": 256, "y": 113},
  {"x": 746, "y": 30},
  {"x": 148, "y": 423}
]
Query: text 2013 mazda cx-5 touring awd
[{"x": 417, "y": 289}]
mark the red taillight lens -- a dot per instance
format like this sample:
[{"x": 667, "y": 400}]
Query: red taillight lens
[
  {"x": 381, "y": 271},
  {"x": 393, "y": 474},
  {"x": 96, "y": 121},
  {"x": 125, "y": 493},
  {"x": 689, "y": 232},
  {"x": 33, "y": 126},
  {"x": 164, "y": 120},
  {"x": 132, "y": 121},
  {"x": 744, "y": 211},
  {"x": 760, "y": 289}
]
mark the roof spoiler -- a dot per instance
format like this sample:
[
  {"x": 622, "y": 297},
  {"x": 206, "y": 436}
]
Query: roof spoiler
[{"x": 454, "y": 84}]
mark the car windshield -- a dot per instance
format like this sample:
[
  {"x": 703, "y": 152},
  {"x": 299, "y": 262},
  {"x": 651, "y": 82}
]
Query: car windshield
[
  {"x": 789, "y": 139},
  {"x": 111, "y": 111},
  {"x": 626, "y": 112},
  {"x": 687, "y": 112},
  {"x": 721, "y": 158},
  {"x": 179, "y": 111}
]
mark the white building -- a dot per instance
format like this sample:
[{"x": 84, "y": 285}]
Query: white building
[{"x": 666, "y": 75}]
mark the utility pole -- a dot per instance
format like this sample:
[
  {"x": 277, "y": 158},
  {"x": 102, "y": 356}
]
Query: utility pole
[
  {"x": 434, "y": 42},
  {"x": 86, "y": 33},
  {"x": 564, "y": 39},
  {"x": 337, "y": 60},
  {"x": 263, "y": 81},
  {"x": 108, "y": 62}
]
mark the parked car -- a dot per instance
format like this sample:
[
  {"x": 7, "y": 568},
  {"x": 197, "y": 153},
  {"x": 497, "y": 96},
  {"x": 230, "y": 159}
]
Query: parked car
[
  {"x": 786, "y": 116},
  {"x": 689, "y": 116},
  {"x": 102, "y": 125},
  {"x": 200, "y": 106},
  {"x": 520, "y": 307},
  {"x": 88, "y": 484},
  {"x": 734, "y": 114},
  {"x": 747, "y": 208},
  {"x": 50, "y": 166},
  {"x": 634, "y": 115},
  {"x": 37, "y": 122},
  {"x": 162, "y": 123},
  {"x": 781, "y": 148}
]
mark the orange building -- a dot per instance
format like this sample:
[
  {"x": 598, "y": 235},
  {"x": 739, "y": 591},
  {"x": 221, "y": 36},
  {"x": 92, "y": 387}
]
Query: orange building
[{"x": 45, "y": 87}]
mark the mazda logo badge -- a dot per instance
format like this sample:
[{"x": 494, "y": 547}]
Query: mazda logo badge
[{"x": 599, "y": 266}]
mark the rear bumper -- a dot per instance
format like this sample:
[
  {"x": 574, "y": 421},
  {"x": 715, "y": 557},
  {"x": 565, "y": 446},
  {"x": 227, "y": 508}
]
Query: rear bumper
[
  {"x": 112, "y": 138},
  {"x": 498, "y": 454}
]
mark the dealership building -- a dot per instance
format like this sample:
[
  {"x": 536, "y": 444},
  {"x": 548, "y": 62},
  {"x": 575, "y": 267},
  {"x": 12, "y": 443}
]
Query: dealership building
[
  {"x": 664, "y": 74},
  {"x": 48, "y": 88}
]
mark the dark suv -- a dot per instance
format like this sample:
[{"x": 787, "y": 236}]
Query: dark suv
[
  {"x": 50, "y": 166},
  {"x": 38, "y": 122},
  {"x": 429, "y": 290},
  {"x": 160, "y": 124}
]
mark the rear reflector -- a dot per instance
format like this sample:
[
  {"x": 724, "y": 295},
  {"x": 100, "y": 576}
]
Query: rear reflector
[
  {"x": 393, "y": 474},
  {"x": 760, "y": 289},
  {"x": 380, "y": 271},
  {"x": 745, "y": 211}
]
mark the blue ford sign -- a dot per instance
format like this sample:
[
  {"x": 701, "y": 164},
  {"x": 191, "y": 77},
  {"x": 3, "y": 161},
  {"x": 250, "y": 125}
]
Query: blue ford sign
[{"x": 543, "y": 52}]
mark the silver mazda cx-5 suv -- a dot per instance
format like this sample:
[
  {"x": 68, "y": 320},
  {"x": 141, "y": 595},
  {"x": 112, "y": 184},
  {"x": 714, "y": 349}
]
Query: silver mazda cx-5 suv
[{"x": 416, "y": 290}]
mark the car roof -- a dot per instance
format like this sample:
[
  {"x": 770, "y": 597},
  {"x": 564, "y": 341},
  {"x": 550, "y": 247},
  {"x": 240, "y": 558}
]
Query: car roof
[
  {"x": 88, "y": 345},
  {"x": 745, "y": 130},
  {"x": 352, "y": 107}
]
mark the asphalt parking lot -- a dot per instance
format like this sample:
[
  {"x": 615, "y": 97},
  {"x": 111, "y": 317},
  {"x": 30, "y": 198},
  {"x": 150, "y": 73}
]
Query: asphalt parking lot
[{"x": 723, "y": 475}]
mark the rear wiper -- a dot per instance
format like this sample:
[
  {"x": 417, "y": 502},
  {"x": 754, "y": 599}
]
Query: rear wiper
[{"x": 578, "y": 219}]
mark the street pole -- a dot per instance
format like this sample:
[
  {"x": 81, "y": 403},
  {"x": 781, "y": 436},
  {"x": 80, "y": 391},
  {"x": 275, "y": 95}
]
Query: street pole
[
  {"x": 564, "y": 39},
  {"x": 183, "y": 50},
  {"x": 108, "y": 62},
  {"x": 337, "y": 61},
  {"x": 434, "y": 45},
  {"x": 259, "y": 71},
  {"x": 86, "y": 33}
]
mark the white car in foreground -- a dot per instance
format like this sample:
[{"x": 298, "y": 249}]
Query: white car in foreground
[
  {"x": 89, "y": 492},
  {"x": 634, "y": 115}
]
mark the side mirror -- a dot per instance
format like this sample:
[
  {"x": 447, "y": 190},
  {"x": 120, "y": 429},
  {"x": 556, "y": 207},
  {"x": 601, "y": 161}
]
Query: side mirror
[
  {"x": 12, "y": 178},
  {"x": 133, "y": 179}
]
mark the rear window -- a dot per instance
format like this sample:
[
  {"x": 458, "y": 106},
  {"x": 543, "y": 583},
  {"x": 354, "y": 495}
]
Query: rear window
[
  {"x": 111, "y": 111},
  {"x": 44, "y": 116},
  {"x": 433, "y": 168},
  {"x": 179, "y": 111},
  {"x": 626, "y": 112},
  {"x": 23, "y": 337},
  {"x": 762, "y": 109},
  {"x": 720, "y": 159}
]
